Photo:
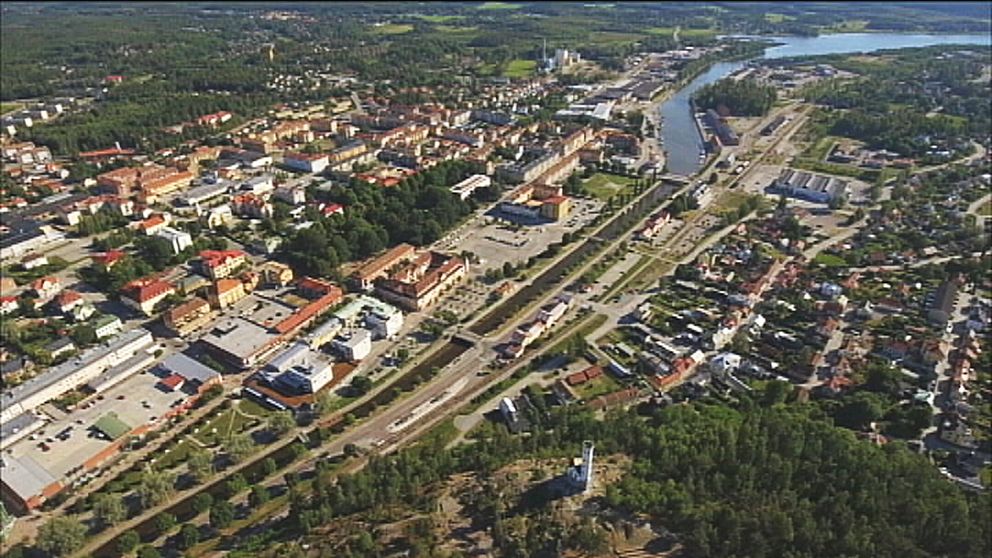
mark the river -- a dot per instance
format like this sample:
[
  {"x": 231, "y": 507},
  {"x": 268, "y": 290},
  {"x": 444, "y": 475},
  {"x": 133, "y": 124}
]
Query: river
[{"x": 682, "y": 141}]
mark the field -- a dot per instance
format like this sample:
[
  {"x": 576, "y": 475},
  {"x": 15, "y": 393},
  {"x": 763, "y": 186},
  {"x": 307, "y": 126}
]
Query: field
[
  {"x": 438, "y": 18},
  {"x": 829, "y": 260},
  {"x": 499, "y": 6},
  {"x": 520, "y": 68},
  {"x": 9, "y": 107},
  {"x": 986, "y": 209},
  {"x": 596, "y": 387},
  {"x": 604, "y": 186},
  {"x": 392, "y": 29}
]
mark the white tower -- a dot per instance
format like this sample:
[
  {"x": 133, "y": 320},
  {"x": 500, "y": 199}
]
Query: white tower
[{"x": 580, "y": 474}]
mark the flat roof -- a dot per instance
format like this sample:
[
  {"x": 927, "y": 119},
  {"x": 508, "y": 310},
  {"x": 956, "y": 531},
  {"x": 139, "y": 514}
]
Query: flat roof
[
  {"x": 112, "y": 426},
  {"x": 24, "y": 476},
  {"x": 238, "y": 337},
  {"x": 188, "y": 368}
]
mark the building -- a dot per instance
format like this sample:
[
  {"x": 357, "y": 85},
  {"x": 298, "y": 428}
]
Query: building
[
  {"x": 366, "y": 275},
  {"x": 46, "y": 287},
  {"x": 808, "y": 186},
  {"x": 67, "y": 376},
  {"x": 218, "y": 264},
  {"x": 417, "y": 284},
  {"x": 723, "y": 131},
  {"x": 313, "y": 163},
  {"x": 107, "y": 326},
  {"x": 177, "y": 239},
  {"x": 324, "y": 333},
  {"x": 33, "y": 261},
  {"x": 276, "y": 274},
  {"x": 384, "y": 321},
  {"x": 226, "y": 292},
  {"x": 250, "y": 205},
  {"x": 179, "y": 369},
  {"x": 259, "y": 185},
  {"x": 298, "y": 370},
  {"x": 580, "y": 474},
  {"x": 145, "y": 294},
  {"x": 67, "y": 301},
  {"x": 188, "y": 316},
  {"x": 206, "y": 192},
  {"x": 240, "y": 342},
  {"x": 353, "y": 345},
  {"x": 466, "y": 187},
  {"x": 556, "y": 208},
  {"x": 942, "y": 307}
]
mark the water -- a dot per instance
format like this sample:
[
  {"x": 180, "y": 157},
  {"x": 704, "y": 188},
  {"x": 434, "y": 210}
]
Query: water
[{"x": 682, "y": 141}]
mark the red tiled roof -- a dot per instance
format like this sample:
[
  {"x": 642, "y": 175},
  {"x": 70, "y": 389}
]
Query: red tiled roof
[
  {"x": 143, "y": 290},
  {"x": 173, "y": 381},
  {"x": 214, "y": 258}
]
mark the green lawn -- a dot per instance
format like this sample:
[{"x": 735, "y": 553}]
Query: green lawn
[
  {"x": 986, "y": 209},
  {"x": 596, "y": 387},
  {"x": 604, "y": 186},
  {"x": 821, "y": 148},
  {"x": 499, "y": 6},
  {"x": 438, "y": 18},
  {"x": 519, "y": 68},
  {"x": 829, "y": 260},
  {"x": 392, "y": 29},
  {"x": 456, "y": 29},
  {"x": 9, "y": 107},
  {"x": 221, "y": 427},
  {"x": 778, "y": 18}
]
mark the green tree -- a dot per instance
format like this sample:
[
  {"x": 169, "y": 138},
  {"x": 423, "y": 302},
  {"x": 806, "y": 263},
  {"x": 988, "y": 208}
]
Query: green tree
[
  {"x": 280, "y": 423},
  {"x": 128, "y": 541},
  {"x": 154, "y": 487},
  {"x": 200, "y": 464},
  {"x": 361, "y": 384},
  {"x": 61, "y": 536},
  {"x": 149, "y": 551},
  {"x": 189, "y": 536},
  {"x": 238, "y": 447},
  {"x": 259, "y": 496},
  {"x": 109, "y": 509},
  {"x": 202, "y": 502},
  {"x": 164, "y": 522},
  {"x": 221, "y": 514}
]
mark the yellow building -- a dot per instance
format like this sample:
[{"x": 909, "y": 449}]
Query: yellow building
[
  {"x": 226, "y": 292},
  {"x": 556, "y": 208},
  {"x": 275, "y": 273}
]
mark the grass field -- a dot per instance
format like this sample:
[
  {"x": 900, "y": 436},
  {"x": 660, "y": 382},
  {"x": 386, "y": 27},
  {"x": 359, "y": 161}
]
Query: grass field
[
  {"x": 499, "y": 6},
  {"x": 438, "y": 18},
  {"x": 222, "y": 427},
  {"x": 829, "y": 260},
  {"x": 596, "y": 387},
  {"x": 520, "y": 68},
  {"x": 9, "y": 107},
  {"x": 847, "y": 26},
  {"x": 392, "y": 29},
  {"x": 821, "y": 148},
  {"x": 986, "y": 209},
  {"x": 456, "y": 29},
  {"x": 605, "y": 186},
  {"x": 778, "y": 18}
]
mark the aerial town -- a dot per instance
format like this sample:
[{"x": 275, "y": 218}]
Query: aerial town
[{"x": 534, "y": 296}]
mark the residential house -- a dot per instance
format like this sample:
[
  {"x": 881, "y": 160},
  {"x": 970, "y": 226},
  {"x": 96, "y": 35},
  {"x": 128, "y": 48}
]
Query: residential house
[
  {"x": 226, "y": 292},
  {"x": 107, "y": 326},
  {"x": 145, "y": 294}
]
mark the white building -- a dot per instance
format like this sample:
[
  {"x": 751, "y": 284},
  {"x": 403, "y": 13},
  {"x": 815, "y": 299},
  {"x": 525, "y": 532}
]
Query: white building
[
  {"x": 383, "y": 323},
  {"x": 466, "y": 187},
  {"x": 179, "y": 240},
  {"x": 725, "y": 362},
  {"x": 354, "y": 345},
  {"x": 258, "y": 185}
]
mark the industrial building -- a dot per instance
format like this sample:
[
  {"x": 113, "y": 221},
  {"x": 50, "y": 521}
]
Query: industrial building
[{"x": 808, "y": 186}]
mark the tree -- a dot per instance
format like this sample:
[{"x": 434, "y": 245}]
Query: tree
[
  {"x": 154, "y": 487},
  {"x": 164, "y": 522},
  {"x": 149, "y": 551},
  {"x": 259, "y": 496},
  {"x": 361, "y": 384},
  {"x": 109, "y": 509},
  {"x": 280, "y": 423},
  {"x": 84, "y": 335},
  {"x": 238, "y": 447},
  {"x": 61, "y": 536},
  {"x": 221, "y": 514},
  {"x": 200, "y": 464},
  {"x": 189, "y": 536},
  {"x": 202, "y": 502},
  {"x": 128, "y": 541}
]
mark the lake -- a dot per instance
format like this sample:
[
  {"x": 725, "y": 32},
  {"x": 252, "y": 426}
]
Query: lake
[{"x": 682, "y": 141}]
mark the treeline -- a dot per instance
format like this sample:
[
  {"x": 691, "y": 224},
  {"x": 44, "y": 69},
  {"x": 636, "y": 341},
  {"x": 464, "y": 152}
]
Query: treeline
[
  {"x": 745, "y": 97},
  {"x": 419, "y": 210}
]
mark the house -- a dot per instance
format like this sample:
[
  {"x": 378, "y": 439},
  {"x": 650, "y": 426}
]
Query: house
[
  {"x": 83, "y": 312},
  {"x": 154, "y": 224},
  {"x": 8, "y": 305},
  {"x": 226, "y": 292},
  {"x": 942, "y": 307},
  {"x": 108, "y": 259},
  {"x": 218, "y": 264},
  {"x": 145, "y": 294},
  {"x": 34, "y": 261},
  {"x": 106, "y": 326},
  {"x": 353, "y": 346},
  {"x": 46, "y": 287},
  {"x": 59, "y": 347},
  {"x": 67, "y": 301}
]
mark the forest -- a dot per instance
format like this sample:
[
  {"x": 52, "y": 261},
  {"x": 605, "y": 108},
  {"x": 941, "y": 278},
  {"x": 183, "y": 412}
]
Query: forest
[
  {"x": 732, "y": 97},
  {"x": 701, "y": 471}
]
